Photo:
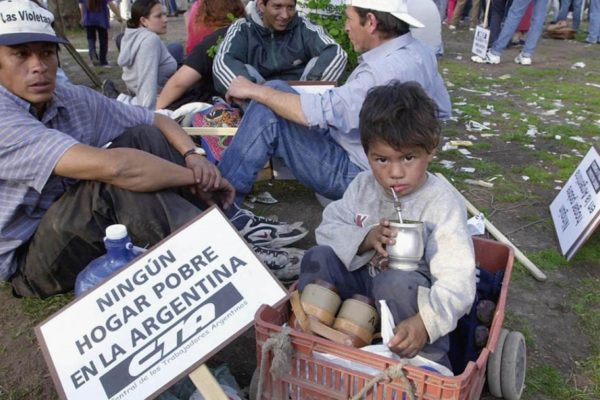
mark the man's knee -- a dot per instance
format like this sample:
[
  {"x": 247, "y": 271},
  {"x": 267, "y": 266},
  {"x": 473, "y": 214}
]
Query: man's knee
[
  {"x": 139, "y": 137},
  {"x": 280, "y": 85}
]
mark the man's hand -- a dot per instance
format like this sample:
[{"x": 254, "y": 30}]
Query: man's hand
[
  {"x": 206, "y": 174},
  {"x": 378, "y": 237},
  {"x": 410, "y": 336},
  {"x": 241, "y": 89},
  {"x": 223, "y": 196}
]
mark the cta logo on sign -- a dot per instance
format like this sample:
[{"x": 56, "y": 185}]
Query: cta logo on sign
[{"x": 172, "y": 341}]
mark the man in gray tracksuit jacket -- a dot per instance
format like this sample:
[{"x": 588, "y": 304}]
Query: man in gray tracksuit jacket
[{"x": 273, "y": 42}]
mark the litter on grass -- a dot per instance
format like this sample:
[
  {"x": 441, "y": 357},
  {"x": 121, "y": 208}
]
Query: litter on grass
[{"x": 474, "y": 126}]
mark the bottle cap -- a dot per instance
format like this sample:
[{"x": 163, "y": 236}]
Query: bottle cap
[{"x": 116, "y": 232}]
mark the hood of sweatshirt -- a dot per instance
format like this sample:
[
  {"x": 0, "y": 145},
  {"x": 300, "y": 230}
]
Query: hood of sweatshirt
[{"x": 131, "y": 45}]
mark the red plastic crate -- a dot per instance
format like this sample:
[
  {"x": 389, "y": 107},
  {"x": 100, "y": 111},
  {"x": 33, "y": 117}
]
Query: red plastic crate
[{"x": 312, "y": 378}]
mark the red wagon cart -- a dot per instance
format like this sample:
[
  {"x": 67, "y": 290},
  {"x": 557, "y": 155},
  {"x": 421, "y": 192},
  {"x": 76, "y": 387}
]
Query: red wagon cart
[{"x": 310, "y": 377}]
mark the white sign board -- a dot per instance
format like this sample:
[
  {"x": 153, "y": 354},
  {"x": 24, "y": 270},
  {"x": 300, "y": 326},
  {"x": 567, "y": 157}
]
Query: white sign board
[
  {"x": 575, "y": 211},
  {"x": 480, "y": 41},
  {"x": 159, "y": 318}
]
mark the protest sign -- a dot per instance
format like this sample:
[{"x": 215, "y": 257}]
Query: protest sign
[
  {"x": 160, "y": 317},
  {"x": 480, "y": 41},
  {"x": 575, "y": 210}
]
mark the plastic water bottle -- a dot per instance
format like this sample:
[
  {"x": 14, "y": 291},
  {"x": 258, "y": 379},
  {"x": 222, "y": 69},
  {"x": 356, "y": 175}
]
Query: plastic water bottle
[{"x": 119, "y": 251}]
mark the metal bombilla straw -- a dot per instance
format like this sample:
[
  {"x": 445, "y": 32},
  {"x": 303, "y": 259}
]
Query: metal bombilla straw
[{"x": 397, "y": 206}]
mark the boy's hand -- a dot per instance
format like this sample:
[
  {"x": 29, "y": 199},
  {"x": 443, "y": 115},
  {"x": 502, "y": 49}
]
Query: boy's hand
[
  {"x": 410, "y": 337},
  {"x": 378, "y": 237}
]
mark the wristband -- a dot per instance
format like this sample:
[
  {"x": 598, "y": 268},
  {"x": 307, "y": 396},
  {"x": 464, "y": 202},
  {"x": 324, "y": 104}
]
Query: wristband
[{"x": 188, "y": 153}]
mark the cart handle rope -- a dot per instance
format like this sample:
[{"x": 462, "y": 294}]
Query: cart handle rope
[
  {"x": 281, "y": 344},
  {"x": 391, "y": 373}
]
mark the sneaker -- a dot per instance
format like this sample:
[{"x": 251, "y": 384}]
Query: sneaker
[
  {"x": 268, "y": 232},
  {"x": 452, "y": 27},
  {"x": 107, "y": 66},
  {"x": 109, "y": 89},
  {"x": 521, "y": 59},
  {"x": 490, "y": 58},
  {"x": 284, "y": 263}
]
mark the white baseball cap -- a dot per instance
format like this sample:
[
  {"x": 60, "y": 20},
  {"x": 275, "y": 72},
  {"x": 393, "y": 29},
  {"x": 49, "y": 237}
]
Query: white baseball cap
[
  {"x": 397, "y": 8},
  {"x": 23, "y": 21}
]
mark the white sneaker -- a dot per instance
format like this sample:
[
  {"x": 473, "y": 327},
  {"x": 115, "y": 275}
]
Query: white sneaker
[
  {"x": 452, "y": 27},
  {"x": 262, "y": 231},
  {"x": 490, "y": 58},
  {"x": 521, "y": 59},
  {"x": 284, "y": 263}
]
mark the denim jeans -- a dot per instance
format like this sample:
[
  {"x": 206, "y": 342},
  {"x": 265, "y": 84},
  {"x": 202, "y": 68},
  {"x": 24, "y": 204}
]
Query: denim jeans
[
  {"x": 594, "y": 27},
  {"x": 398, "y": 288},
  {"x": 564, "y": 10},
  {"x": 314, "y": 158},
  {"x": 515, "y": 13},
  {"x": 442, "y": 5}
]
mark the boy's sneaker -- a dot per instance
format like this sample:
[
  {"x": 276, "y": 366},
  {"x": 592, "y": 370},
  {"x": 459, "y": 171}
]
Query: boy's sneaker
[
  {"x": 267, "y": 232},
  {"x": 452, "y": 27},
  {"x": 490, "y": 58},
  {"x": 284, "y": 263},
  {"x": 521, "y": 59}
]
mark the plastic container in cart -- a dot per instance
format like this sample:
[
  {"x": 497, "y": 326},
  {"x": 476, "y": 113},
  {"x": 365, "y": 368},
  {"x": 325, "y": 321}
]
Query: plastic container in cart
[{"x": 312, "y": 377}]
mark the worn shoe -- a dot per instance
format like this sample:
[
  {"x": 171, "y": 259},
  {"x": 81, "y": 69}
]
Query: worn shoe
[
  {"x": 267, "y": 232},
  {"x": 109, "y": 89},
  {"x": 284, "y": 263},
  {"x": 490, "y": 58},
  {"x": 521, "y": 59}
]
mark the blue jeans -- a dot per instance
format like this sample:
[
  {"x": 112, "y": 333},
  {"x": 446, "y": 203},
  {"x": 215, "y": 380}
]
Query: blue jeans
[
  {"x": 564, "y": 10},
  {"x": 515, "y": 13},
  {"x": 594, "y": 27},
  {"x": 398, "y": 288},
  {"x": 314, "y": 158}
]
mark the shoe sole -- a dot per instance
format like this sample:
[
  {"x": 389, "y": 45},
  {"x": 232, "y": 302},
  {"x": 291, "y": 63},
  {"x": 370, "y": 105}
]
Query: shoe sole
[{"x": 278, "y": 242}]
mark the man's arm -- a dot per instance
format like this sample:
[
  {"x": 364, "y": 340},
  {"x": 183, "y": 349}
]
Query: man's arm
[
  {"x": 286, "y": 105},
  {"x": 331, "y": 60}
]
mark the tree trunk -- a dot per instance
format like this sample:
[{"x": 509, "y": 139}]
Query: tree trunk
[{"x": 69, "y": 13}]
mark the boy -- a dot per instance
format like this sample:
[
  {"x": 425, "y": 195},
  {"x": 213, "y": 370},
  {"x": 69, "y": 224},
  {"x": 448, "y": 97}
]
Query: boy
[{"x": 399, "y": 133}]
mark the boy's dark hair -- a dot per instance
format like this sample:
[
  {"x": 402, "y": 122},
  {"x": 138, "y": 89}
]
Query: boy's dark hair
[
  {"x": 387, "y": 25},
  {"x": 401, "y": 115}
]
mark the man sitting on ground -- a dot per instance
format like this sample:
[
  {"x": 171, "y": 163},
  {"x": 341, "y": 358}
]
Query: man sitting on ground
[
  {"x": 273, "y": 42},
  {"x": 61, "y": 186},
  {"x": 317, "y": 134}
]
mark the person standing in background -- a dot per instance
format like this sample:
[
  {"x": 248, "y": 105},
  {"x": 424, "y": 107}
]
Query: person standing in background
[{"x": 95, "y": 19}]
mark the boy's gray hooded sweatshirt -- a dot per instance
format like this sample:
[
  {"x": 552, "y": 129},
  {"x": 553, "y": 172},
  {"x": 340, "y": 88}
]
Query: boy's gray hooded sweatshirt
[{"x": 146, "y": 63}]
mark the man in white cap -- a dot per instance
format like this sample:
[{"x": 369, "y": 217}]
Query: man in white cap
[
  {"x": 317, "y": 134},
  {"x": 61, "y": 186}
]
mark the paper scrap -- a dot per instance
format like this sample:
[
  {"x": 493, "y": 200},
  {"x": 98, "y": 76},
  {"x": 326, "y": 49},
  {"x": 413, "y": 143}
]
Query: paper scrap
[
  {"x": 469, "y": 170},
  {"x": 476, "y": 225},
  {"x": 479, "y": 182}
]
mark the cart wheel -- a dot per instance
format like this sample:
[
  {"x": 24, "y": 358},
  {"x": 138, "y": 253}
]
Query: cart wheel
[
  {"x": 253, "y": 389},
  {"x": 494, "y": 366},
  {"x": 514, "y": 360}
]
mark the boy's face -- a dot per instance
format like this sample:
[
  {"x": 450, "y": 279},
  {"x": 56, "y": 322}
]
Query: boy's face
[{"x": 404, "y": 170}]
